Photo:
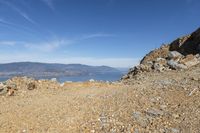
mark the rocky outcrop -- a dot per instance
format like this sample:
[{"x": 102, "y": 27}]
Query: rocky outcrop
[
  {"x": 189, "y": 44},
  {"x": 182, "y": 53}
]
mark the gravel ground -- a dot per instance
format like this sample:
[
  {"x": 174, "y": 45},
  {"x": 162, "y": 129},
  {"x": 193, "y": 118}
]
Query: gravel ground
[{"x": 165, "y": 102}]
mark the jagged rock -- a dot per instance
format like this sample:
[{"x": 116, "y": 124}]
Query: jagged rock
[
  {"x": 176, "y": 45},
  {"x": 158, "y": 67},
  {"x": 145, "y": 68},
  {"x": 187, "y": 44},
  {"x": 7, "y": 89},
  {"x": 190, "y": 60},
  {"x": 161, "y": 61},
  {"x": 161, "y": 52},
  {"x": 160, "y": 64}
]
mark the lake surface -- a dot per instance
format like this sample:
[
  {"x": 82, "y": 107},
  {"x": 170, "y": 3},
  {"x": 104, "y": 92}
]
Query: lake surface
[{"x": 100, "y": 77}]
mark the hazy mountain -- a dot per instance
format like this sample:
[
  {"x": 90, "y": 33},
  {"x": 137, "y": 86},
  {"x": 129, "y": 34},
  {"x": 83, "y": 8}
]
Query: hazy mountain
[{"x": 47, "y": 69}]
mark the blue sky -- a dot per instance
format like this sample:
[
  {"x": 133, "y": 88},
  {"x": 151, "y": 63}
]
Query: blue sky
[{"x": 95, "y": 32}]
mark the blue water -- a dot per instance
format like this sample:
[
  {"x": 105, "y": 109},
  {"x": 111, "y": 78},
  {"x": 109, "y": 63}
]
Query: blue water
[{"x": 101, "y": 77}]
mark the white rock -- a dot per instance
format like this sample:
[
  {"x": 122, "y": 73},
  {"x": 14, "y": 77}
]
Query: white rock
[
  {"x": 174, "y": 54},
  {"x": 175, "y": 65},
  {"x": 91, "y": 80},
  {"x": 61, "y": 85},
  {"x": 54, "y": 79}
]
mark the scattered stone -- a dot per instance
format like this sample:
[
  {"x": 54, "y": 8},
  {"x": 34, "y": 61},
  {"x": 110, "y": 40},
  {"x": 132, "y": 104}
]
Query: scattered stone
[
  {"x": 154, "y": 112},
  {"x": 175, "y": 116},
  {"x": 10, "y": 91},
  {"x": 31, "y": 86},
  {"x": 175, "y": 130},
  {"x": 163, "y": 107},
  {"x": 3, "y": 91},
  {"x": 24, "y": 131},
  {"x": 141, "y": 120},
  {"x": 190, "y": 94},
  {"x": 195, "y": 78}
]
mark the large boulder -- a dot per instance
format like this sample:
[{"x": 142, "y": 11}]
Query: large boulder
[
  {"x": 174, "y": 54},
  {"x": 175, "y": 65}
]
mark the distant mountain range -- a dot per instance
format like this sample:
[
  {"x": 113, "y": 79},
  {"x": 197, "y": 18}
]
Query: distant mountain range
[{"x": 34, "y": 69}]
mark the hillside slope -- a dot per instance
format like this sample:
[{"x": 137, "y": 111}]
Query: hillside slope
[
  {"x": 182, "y": 53},
  {"x": 165, "y": 102}
]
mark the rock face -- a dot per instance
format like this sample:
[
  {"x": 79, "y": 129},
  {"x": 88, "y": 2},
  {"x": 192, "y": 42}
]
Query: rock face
[{"x": 182, "y": 53}]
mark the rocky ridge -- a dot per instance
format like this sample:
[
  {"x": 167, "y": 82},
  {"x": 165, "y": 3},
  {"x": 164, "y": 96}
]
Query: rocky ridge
[{"x": 182, "y": 53}]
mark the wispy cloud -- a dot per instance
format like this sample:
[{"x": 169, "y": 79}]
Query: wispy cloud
[
  {"x": 8, "y": 43},
  {"x": 22, "y": 28},
  {"x": 49, "y": 3},
  {"x": 96, "y": 35},
  {"x": 48, "y": 46},
  {"x": 45, "y": 46},
  {"x": 3, "y": 21},
  {"x": 189, "y": 1},
  {"x": 24, "y": 15},
  {"x": 19, "y": 11}
]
